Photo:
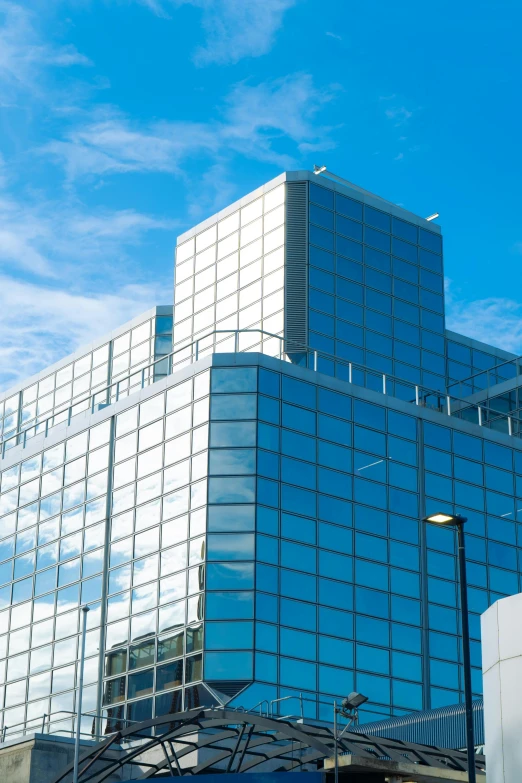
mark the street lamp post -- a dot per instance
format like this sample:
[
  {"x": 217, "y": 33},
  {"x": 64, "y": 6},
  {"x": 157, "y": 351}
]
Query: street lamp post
[
  {"x": 455, "y": 520},
  {"x": 348, "y": 709}
]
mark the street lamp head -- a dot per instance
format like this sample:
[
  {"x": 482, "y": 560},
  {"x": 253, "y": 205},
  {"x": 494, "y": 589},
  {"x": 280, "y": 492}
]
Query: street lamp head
[
  {"x": 353, "y": 701},
  {"x": 445, "y": 519}
]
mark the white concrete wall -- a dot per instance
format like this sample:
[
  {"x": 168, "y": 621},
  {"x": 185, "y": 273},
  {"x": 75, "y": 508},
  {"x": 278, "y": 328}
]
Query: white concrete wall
[{"x": 502, "y": 672}]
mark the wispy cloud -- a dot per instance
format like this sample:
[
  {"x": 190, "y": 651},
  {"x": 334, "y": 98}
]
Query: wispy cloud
[
  {"x": 234, "y": 29},
  {"x": 255, "y": 119},
  {"x": 399, "y": 114},
  {"x": 495, "y": 320},
  {"x": 23, "y": 53},
  {"x": 334, "y": 35}
]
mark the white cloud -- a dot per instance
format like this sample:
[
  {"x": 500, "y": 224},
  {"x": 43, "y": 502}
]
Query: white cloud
[
  {"x": 495, "y": 321},
  {"x": 334, "y": 35},
  {"x": 234, "y": 29},
  {"x": 399, "y": 114},
  {"x": 23, "y": 53},
  {"x": 255, "y": 119},
  {"x": 41, "y": 324}
]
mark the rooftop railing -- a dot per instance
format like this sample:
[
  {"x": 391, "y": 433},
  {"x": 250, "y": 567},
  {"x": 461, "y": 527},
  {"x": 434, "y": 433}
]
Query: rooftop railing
[
  {"x": 314, "y": 359},
  {"x": 484, "y": 380}
]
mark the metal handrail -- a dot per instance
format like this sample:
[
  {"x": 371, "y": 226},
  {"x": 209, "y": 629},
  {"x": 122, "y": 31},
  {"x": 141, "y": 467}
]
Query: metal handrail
[
  {"x": 451, "y": 405},
  {"x": 46, "y": 721}
]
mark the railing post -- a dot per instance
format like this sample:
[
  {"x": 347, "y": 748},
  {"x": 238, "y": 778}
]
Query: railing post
[
  {"x": 196, "y": 351},
  {"x": 143, "y": 378},
  {"x": 349, "y": 372},
  {"x": 416, "y": 395},
  {"x": 43, "y": 722},
  {"x": 236, "y": 341},
  {"x": 479, "y": 415},
  {"x": 448, "y": 404},
  {"x": 510, "y": 425},
  {"x": 383, "y": 383},
  {"x": 315, "y": 361}
]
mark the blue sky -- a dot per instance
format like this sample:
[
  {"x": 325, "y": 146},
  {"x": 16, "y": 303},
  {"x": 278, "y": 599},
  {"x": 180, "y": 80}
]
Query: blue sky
[{"x": 124, "y": 122}]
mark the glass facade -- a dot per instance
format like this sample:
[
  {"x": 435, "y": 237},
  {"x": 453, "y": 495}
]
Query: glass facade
[
  {"x": 230, "y": 275},
  {"x": 245, "y": 528},
  {"x": 56, "y": 396}
]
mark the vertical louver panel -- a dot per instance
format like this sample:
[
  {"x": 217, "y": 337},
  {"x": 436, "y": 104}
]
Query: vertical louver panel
[{"x": 296, "y": 267}]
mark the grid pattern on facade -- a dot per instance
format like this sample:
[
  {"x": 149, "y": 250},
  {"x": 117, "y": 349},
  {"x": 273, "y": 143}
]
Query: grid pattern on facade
[
  {"x": 71, "y": 385},
  {"x": 231, "y": 275}
]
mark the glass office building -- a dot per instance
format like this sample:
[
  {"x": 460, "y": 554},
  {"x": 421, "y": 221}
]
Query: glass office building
[{"x": 239, "y": 502}]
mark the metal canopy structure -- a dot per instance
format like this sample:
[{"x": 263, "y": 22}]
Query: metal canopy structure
[{"x": 204, "y": 741}]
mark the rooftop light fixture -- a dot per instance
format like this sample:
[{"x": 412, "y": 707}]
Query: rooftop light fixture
[{"x": 431, "y": 217}]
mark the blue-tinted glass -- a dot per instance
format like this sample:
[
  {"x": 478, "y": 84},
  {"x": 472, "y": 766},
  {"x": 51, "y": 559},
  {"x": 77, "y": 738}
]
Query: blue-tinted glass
[
  {"x": 233, "y": 434},
  {"x": 403, "y": 477},
  {"x": 226, "y": 546},
  {"x": 349, "y": 248},
  {"x": 376, "y": 688},
  {"x": 335, "y": 594},
  {"x": 266, "y": 607},
  {"x": 349, "y": 269},
  {"x": 269, "y": 409},
  {"x": 442, "y": 619},
  {"x": 373, "y": 659},
  {"x": 378, "y": 301},
  {"x": 321, "y": 301},
  {"x": 441, "y": 538},
  {"x": 430, "y": 240},
  {"x": 372, "y": 631},
  {"x": 404, "y": 529},
  {"x": 403, "y": 502},
  {"x": 349, "y": 290},
  {"x": 335, "y": 622},
  {"x": 298, "y": 445},
  {"x": 321, "y": 258},
  {"x": 466, "y": 495},
  {"x": 233, "y": 406},
  {"x": 370, "y": 493},
  {"x": 402, "y": 450},
  {"x": 322, "y": 217},
  {"x": 231, "y": 490},
  {"x": 379, "y": 322},
  {"x": 502, "y": 582},
  {"x": 350, "y": 333},
  {"x": 377, "y": 259},
  {"x": 443, "y": 646},
  {"x": 406, "y": 291},
  {"x": 347, "y": 206},
  {"x": 406, "y": 271},
  {"x": 441, "y": 565},
  {"x": 298, "y": 614},
  {"x": 321, "y": 323},
  {"x": 299, "y": 501},
  {"x": 440, "y": 437},
  {"x": 298, "y": 419},
  {"x": 298, "y": 556},
  {"x": 232, "y": 461},
  {"x": 321, "y": 237},
  {"x": 334, "y": 456},
  {"x": 334, "y": 537},
  {"x": 269, "y": 382},
  {"x": 349, "y": 228},
  {"x": 378, "y": 343},
  {"x": 444, "y": 674},
  {"x": 298, "y": 528},
  {"x": 432, "y": 301},
  {"x": 404, "y": 610},
  {"x": 336, "y": 652},
  {"x": 297, "y": 674},
  {"x": 298, "y": 644},
  {"x": 228, "y": 665},
  {"x": 298, "y": 472},
  {"x": 501, "y": 530},
  {"x": 469, "y": 471},
  {"x": 335, "y": 566},
  {"x": 406, "y": 638},
  {"x": 371, "y": 575},
  {"x": 334, "y": 483},
  {"x": 350, "y": 312},
  {"x": 404, "y": 250},
  {"x": 335, "y": 404},
  {"x": 230, "y": 576},
  {"x": 321, "y": 196},
  {"x": 334, "y": 430},
  {"x": 267, "y": 578},
  {"x": 498, "y": 455},
  {"x": 334, "y": 510},
  {"x": 230, "y": 606},
  {"x": 433, "y": 321},
  {"x": 322, "y": 280},
  {"x": 371, "y": 547},
  {"x": 475, "y": 548},
  {"x": 370, "y": 440},
  {"x": 429, "y": 280},
  {"x": 501, "y": 555},
  {"x": 236, "y": 379},
  {"x": 405, "y": 311},
  {"x": 268, "y": 437},
  {"x": 230, "y": 518},
  {"x": 442, "y": 592},
  {"x": 405, "y": 582}
]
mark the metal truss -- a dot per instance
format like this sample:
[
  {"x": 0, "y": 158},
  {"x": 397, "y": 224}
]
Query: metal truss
[{"x": 204, "y": 741}]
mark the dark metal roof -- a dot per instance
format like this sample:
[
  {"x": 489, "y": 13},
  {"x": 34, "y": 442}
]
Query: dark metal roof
[
  {"x": 234, "y": 741},
  {"x": 444, "y": 726}
]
